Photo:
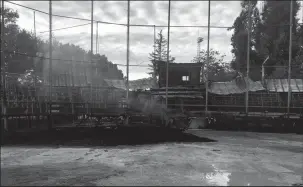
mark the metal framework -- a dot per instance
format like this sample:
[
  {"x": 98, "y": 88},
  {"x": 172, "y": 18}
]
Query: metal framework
[{"x": 67, "y": 86}]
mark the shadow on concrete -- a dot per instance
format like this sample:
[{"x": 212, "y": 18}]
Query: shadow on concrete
[{"x": 100, "y": 137}]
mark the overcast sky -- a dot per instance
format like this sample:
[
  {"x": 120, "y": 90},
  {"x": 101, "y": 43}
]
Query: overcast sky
[{"x": 112, "y": 39}]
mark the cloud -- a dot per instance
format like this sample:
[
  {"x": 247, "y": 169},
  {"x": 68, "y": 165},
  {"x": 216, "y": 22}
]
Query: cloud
[
  {"x": 112, "y": 39},
  {"x": 149, "y": 8}
]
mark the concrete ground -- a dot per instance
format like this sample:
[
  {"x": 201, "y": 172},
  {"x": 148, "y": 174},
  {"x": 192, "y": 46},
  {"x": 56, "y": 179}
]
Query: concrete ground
[{"x": 235, "y": 158}]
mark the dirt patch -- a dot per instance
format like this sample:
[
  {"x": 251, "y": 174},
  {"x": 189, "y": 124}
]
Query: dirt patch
[{"x": 101, "y": 137}]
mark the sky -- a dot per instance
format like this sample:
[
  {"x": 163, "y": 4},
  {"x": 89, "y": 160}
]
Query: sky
[{"x": 112, "y": 38}]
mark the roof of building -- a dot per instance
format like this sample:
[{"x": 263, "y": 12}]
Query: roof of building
[
  {"x": 236, "y": 86},
  {"x": 181, "y": 64},
  {"x": 133, "y": 85},
  {"x": 119, "y": 84},
  {"x": 281, "y": 85},
  {"x": 142, "y": 84},
  {"x": 181, "y": 96}
]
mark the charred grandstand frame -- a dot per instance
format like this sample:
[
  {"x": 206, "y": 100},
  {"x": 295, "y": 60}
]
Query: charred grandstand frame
[{"x": 80, "y": 97}]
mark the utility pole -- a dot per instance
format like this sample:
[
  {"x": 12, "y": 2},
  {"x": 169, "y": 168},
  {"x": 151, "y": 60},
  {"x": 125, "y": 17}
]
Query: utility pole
[
  {"x": 3, "y": 73},
  {"x": 247, "y": 57},
  {"x": 290, "y": 54},
  {"x": 168, "y": 30},
  {"x": 207, "y": 63},
  {"x": 50, "y": 121},
  {"x": 127, "y": 52}
]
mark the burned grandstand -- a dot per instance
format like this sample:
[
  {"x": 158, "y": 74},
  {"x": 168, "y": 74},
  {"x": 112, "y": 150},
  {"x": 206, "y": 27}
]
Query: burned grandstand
[{"x": 267, "y": 98}]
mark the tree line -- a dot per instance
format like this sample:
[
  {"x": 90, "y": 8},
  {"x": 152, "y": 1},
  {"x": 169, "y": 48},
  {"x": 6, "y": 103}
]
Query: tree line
[{"x": 26, "y": 55}]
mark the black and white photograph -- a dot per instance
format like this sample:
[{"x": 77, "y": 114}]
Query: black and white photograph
[{"x": 151, "y": 93}]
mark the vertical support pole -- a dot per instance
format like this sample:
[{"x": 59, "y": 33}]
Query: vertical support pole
[
  {"x": 207, "y": 63},
  {"x": 3, "y": 73},
  {"x": 155, "y": 63},
  {"x": 26, "y": 98},
  {"x": 97, "y": 38},
  {"x": 248, "y": 56},
  {"x": 96, "y": 52},
  {"x": 65, "y": 82},
  {"x": 127, "y": 52},
  {"x": 290, "y": 54},
  {"x": 50, "y": 122},
  {"x": 35, "y": 25},
  {"x": 85, "y": 90},
  {"x": 35, "y": 69},
  {"x": 168, "y": 30},
  {"x": 91, "y": 55},
  {"x": 73, "y": 86}
]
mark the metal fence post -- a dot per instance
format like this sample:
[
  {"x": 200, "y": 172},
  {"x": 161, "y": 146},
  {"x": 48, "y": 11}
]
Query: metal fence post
[
  {"x": 168, "y": 30},
  {"x": 3, "y": 73},
  {"x": 289, "y": 58},
  {"x": 207, "y": 63},
  {"x": 127, "y": 52},
  {"x": 247, "y": 57},
  {"x": 50, "y": 122},
  {"x": 91, "y": 57}
]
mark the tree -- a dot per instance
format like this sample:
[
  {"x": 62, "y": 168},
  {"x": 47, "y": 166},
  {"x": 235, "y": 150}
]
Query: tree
[
  {"x": 160, "y": 54},
  {"x": 10, "y": 16},
  {"x": 275, "y": 33},
  {"x": 239, "y": 37},
  {"x": 77, "y": 60},
  {"x": 218, "y": 70},
  {"x": 19, "y": 46},
  {"x": 22, "y": 49},
  {"x": 269, "y": 38},
  {"x": 10, "y": 33},
  {"x": 297, "y": 68}
]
